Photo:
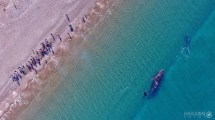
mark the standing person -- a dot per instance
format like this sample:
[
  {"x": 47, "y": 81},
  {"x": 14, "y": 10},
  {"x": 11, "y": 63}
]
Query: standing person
[
  {"x": 70, "y": 36},
  {"x": 59, "y": 37},
  {"x": 18, "y": 82},
  {"x": 83, "y": 19},
  {"x": 29, "y": 68},
  {"x": 53, "y": 36},
  {"x": 43, "y": 46},
  {"x": 67, "y": 18},
  {"x": 38, "y": 61},
  {"x": 37, "y": 52},
  {"x": 33, "y": 61},
  {"x": 71, "y": 28}
]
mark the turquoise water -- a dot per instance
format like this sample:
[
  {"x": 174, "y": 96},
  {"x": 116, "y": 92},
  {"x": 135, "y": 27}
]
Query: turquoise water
[{"x": 107, "y": 78}]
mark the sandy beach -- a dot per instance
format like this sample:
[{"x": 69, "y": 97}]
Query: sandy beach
[{"x": 23, "y": 26}]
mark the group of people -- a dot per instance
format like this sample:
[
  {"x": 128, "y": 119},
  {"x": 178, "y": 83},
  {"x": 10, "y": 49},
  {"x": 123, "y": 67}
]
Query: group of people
[
  {"x": 34, "y": 62},
  {"x": 31, "y": 65}
]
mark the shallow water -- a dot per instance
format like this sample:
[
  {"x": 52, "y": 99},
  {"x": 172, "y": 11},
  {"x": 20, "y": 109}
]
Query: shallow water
[{"x": 114, "y": 65}]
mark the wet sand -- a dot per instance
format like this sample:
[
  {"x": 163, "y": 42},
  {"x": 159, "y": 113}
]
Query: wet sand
[{"x": 23, "y": 26}]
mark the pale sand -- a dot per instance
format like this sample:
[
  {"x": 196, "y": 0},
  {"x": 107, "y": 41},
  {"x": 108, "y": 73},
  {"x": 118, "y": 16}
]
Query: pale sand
[{"x": 23, "y": 29}]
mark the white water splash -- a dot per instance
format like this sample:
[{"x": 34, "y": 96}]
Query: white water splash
[{"x": 185, "y": 51}]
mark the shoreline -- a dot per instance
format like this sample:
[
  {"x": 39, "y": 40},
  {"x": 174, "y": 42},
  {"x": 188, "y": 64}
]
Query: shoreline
[{"x": 14, "y": 98}]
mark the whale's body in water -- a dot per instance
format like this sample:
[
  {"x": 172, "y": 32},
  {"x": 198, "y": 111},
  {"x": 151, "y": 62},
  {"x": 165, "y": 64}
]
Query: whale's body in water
[{"x": 155, "y": 84}]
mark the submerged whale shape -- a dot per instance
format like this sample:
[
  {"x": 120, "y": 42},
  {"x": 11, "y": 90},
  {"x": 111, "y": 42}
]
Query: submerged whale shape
[
  {"x": 155, "y": 84},
  {"x": 187, "y": 40}
]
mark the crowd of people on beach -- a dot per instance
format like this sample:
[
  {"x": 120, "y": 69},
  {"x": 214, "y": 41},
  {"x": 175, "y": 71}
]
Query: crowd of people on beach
[{"x": 35, "y": 60}]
